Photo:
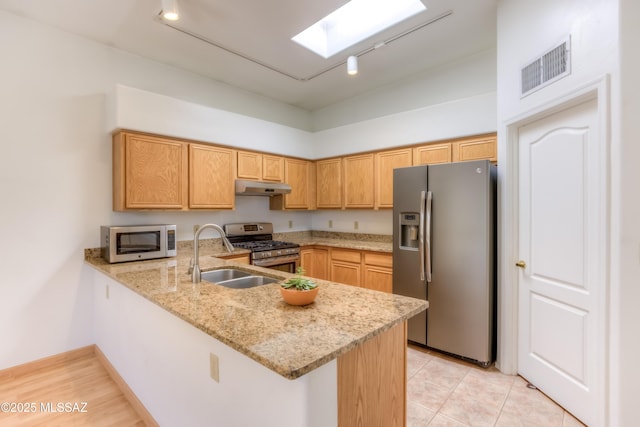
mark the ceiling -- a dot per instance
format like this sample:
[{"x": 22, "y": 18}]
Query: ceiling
[{"x": 246, "y": 43}]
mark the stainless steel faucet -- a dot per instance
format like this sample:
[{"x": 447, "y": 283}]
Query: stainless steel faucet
[{"x": 194, "y": 269}]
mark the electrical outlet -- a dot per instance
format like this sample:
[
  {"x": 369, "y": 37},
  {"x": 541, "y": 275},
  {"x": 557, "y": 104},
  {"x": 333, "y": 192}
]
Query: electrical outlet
[
  {"x": 355, "y": 225},
  {"x": 330, "y": 223},
  {"x": 214, "y": 367},
  {"x": 290, "y": 224},
  {"x": 195, "y": 228}
]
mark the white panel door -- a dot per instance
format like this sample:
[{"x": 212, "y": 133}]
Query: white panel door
[{"x": 561, "y": 223}]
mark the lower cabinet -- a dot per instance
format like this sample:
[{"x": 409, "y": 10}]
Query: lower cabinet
[
  {"x": 346, "y": 267},
  {"x": 372, "y": 385},
  {"x": 240, "y": 259},
  {"x": 378, "y": 271},
  {"x": 315, "y": 262},
  {"x": 367, "y": 269}
]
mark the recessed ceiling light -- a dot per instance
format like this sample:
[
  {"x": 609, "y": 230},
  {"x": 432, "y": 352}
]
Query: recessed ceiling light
[{"x": 354, "y": 22}]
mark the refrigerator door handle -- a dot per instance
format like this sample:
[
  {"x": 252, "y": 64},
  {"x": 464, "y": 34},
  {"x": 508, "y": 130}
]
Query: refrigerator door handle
[
  {"x": 423, "y": 196},
  {"x": 427, "y": 257}
]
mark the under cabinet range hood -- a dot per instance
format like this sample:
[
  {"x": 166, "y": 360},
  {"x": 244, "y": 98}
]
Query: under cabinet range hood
[{"x": 260, "y": 188}]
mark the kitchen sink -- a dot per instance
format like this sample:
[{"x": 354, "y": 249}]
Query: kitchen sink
[
  {"x": 236, "y": 279},
  {"x": 223, "y": 274},
  {"x": 247, "y": 282}
]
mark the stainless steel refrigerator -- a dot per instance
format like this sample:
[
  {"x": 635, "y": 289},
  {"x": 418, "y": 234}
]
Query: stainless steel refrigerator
[{"x": 444, "y": 252}]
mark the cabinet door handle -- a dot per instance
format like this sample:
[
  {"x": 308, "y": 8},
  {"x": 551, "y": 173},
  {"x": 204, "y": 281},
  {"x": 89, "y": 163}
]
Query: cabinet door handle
[{"x": 521, "y": 264}]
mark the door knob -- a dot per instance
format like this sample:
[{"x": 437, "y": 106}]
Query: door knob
[{"x": 521, "y": 264}]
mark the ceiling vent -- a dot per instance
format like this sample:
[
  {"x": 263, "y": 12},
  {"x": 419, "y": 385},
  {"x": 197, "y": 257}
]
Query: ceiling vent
[{"x": 551, "y": 66}]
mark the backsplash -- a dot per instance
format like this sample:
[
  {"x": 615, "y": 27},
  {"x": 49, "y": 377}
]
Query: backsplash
[
  {"x": 216, "y": 243},
  {"x": 334, "y": 235}
]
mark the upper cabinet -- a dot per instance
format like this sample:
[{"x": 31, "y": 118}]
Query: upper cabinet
[
  {"x": 249, "y": 165},
  {"x": 211, "y": 177},
  {"x": 272, "y": 168},
  {"x": 149, "y": 172},
  {"x": 460, "y": 150},
  {"x": 385, "y": 163},
  {"x": 260, "y": 167},
  {"x": 152, "y": 172},
  {"x": 432, "y": 154},
  {"x": 329, "y": 183},
  {"x": 475, "y": 148},
  {"x": 155, "y": 172},
  {"x": 300, "y": 175},
  {"x": 358, "y": 181}
]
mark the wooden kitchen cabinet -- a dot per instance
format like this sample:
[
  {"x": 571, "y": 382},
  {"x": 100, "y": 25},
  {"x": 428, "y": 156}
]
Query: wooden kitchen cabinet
[
  {"x": 272, "y": 168},
  {"x": 249, "y": 165},
  {"x": 211, "y": 177},
  {"x": 476, "y": 148},
  {"x": 149, "y": 172},
  {"x": 153, "y": 172},
  {"x": 315, "y": 262},
  {"x": 300, "y": 175},
  {"x": 367, "y": 269},
  {"x": 432, "y": 154},
  {"x": 378, "y": 271},
  {"x": 345, "y": 266},
  {"x": 329, "y": 183},
  {"x": 240, "y": 259},
  {"x": 359, "y": 181},
  {"x": 385, "y": 163},
  {"x": 260, "y": 167},
  {"x": 372, "y": 376}
]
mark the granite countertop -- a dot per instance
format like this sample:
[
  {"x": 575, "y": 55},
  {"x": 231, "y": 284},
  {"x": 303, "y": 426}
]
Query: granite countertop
[{"x": 289, "y": 340}]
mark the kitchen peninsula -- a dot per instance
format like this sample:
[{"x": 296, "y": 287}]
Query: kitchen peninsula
[{"x": 202, "y": 354}]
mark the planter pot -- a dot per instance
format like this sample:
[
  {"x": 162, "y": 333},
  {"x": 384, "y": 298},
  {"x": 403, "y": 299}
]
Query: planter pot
[{"x": 296, "y": 297}]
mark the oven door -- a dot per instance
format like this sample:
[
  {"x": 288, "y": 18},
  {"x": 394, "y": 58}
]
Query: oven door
[{"x": 288, "y": 263}]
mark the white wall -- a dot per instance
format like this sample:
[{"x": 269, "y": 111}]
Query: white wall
[
  {"x": 471, "y": 76},
  {"x": 467, "y": 116},
  {"x": 369, "y": 221},
  {"x": 600, "y": 46},
  {"x": 56, "y": 175},
  {"x": 528, "y": 29},
  {"x": 626, "y": 224},
  {"x": 56, "y": 115},
  {"x": 145, "y": 111}
]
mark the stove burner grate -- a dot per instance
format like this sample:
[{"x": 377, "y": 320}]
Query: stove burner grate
[{"x": 265, "y": 245}]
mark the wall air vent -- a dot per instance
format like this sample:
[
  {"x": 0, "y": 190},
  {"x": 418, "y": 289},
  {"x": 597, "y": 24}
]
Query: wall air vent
[{"x": 551, "y": 66}]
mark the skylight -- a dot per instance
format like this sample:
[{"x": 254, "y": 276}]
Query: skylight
[{"x": 354, "y": 22}]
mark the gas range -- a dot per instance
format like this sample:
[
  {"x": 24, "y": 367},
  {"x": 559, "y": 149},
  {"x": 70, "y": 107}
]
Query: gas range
[
  {"x": 269, "y": 248},
  {"x": 266, "y": 252}
]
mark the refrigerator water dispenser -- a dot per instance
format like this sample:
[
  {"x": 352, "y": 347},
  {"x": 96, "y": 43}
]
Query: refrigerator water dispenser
[{"x": 409, "y": 230}]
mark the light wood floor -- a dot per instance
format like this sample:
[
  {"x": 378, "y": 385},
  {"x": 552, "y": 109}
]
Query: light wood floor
[{"x": 71, "y": 381}]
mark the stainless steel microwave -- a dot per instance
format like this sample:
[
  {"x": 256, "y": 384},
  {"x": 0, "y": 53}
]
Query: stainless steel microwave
[{"x": 137, "y": 242}]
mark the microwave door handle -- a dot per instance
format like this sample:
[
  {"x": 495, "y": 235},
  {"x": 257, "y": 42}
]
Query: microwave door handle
[
  {"x": 428, "y": 237},
  {"x": 421, "y": 254}
]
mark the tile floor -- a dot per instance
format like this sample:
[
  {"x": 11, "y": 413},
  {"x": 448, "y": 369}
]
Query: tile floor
[{"x": 444, "y": 391}]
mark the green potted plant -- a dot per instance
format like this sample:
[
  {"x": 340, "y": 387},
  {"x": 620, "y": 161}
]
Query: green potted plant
[{"x": 299, "y": 290}]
